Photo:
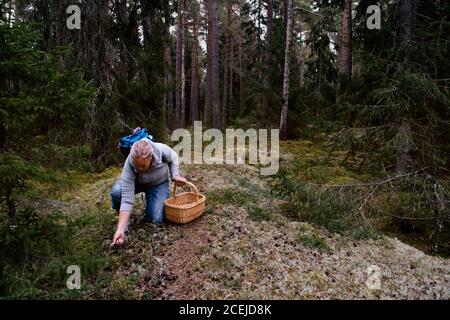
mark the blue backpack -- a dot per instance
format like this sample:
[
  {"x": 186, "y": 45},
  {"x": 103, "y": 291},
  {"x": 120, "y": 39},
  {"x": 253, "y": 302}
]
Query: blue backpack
[{"x": 126, "y": 142}]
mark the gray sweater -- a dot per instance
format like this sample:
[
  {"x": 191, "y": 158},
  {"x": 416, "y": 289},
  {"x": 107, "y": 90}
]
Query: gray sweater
[{"x": 164, "y": 158}]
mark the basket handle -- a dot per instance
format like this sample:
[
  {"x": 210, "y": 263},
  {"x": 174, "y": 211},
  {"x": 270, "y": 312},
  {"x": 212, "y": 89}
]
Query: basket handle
[{"x": 174, "y": 194}]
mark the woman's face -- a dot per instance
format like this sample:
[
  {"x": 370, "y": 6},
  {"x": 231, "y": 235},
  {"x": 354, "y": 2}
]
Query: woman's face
[{"x": 142, "y": 164}]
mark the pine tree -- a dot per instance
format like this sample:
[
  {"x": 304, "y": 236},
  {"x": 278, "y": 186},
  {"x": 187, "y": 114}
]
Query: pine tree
[
  {"x": 215, "y": 82},
  {"x": 180, "y": 67},
  {"x": 284, "y": 108}
]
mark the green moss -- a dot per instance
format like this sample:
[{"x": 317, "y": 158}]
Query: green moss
[
  {"x": 149, "y": 295},
  {"x": 342, "y": 180},
  {"x": 123, "y": 288},
  {"x": 257, "y": 214},
  {"x": 229, "y": 196},
  {"x": 313, "y": 241}
]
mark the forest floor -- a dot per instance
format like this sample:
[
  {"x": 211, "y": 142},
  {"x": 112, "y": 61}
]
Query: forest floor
[{"x": 243, "y": 247}]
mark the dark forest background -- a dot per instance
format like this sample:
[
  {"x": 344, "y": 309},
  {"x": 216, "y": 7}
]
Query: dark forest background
[{"x": 310, "y": 68}]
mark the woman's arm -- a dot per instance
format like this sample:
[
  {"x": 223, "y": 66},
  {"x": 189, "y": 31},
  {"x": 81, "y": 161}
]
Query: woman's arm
[
  {"x": 173, "y": 161},
  {"x": 127, "y": 202},
  {"x": 119, "y": 236}
]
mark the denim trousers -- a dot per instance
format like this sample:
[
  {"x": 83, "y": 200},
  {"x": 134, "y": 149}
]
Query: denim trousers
[{"x": 154, "y": 195}]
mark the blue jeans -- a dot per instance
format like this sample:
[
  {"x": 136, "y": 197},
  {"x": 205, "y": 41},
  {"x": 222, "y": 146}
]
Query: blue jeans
[{"x": 154, "y": 195}]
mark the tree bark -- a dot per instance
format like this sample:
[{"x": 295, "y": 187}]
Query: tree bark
[
  {"x": 405, "y": 159},
  {"x": 230, "y": 79},
  {"x": 226, "y": 74},
  {"x": 285, "y": 12},
  {"x": 302, "y": 56},
  {"x": 241, "y": 64},
  {"x": 195, "y": 71},
  {"x": 180, "y": 72},
  {"x": 284, "y": 108},
  {"x": 183, "y": 77},
  {"x": 168, "y": 97},
  {"x": 168, "y": 74},
  {"x": 215, "y": 82},
  {"x": 44, "y": 12},
  {"x": 407, "y": 10},
  {"x": 147, "y": 29},
  {"x": 345, "y": 51},
  {"x": 301, "y": 67},
  {"x": 207, "y": 108},
  {"x": 267, "y": 64}
]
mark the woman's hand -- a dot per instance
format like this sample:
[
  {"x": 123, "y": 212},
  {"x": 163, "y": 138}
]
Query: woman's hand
[
  {"x": 119, "y": 238},
  {"x": 179, "y": 181},
  {"x": 136, "y": 129}
]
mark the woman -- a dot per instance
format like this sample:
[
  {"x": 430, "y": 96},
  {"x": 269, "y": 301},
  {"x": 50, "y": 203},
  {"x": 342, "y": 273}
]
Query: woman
[{"x": 146, "y": 169}]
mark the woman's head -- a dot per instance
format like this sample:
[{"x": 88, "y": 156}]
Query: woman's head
[{"x": 141, "y": 153}]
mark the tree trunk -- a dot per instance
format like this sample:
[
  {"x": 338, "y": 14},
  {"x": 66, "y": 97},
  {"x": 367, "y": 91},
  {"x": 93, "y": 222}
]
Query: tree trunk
[
  {"x": 407, "y": 9},
  {"x": 180, "y": 73},
  {"x": 147, "y": 29},
  {"x": 303, "y": 56},
  {"x": 284, "y": 108},
  {"x": 168, "y": 71},
  {"x": 345, "y": 52},
  {"x": 215, "y": 82},
  {"x": 122, "y": 12},
  {"x": 241, "y": 66},
  {"x": 44, "y": 12},
  {"x": 168, "y": 97},
  {"x": 405, "y": 160},
  {"x": 133, "y": 28},
  {"x": 226, "y": 74},
  {"x": 285, "y": 12},
  {"x": 183, "y": 77},
  {"x": 267, "y": 64},
  {"x": 230, "y": 79},
  {"x": 195, "y": 71},
  {"x": 207, "y": 108}
]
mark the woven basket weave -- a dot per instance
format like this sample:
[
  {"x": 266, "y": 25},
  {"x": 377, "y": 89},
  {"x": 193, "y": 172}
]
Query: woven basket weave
[{"x": 184, "y": 207}]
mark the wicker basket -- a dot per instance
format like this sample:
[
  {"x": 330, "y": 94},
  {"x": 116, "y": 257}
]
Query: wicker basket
[{"x": 184, "y": 207}]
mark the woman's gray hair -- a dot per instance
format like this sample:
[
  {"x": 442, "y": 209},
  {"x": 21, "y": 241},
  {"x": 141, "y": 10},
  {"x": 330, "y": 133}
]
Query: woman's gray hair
[{"x": 141, "y": 149}]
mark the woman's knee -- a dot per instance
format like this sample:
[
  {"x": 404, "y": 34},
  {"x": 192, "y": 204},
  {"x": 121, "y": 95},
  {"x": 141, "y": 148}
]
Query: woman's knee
[
  {"x": 155, "y": 202},
  {"x": 155, "y": 211},
  {"x": 116, "y": 191}
]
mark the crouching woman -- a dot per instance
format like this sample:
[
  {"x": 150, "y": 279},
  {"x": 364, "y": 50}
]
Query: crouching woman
[{"x": 146, "y": 169}]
